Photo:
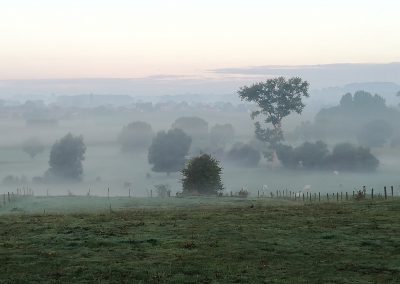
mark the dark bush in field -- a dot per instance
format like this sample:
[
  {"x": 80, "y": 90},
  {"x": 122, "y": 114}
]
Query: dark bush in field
[
  {"x": 202, "y": 175},
  {"x": 66, "y": 158},
  {"x": 168, "y": 150}
]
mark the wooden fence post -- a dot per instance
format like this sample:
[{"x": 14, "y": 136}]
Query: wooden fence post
[
  {"x": 372, "y": 193},
  {"x": 384, "y": 189},
  {"x": 347, "y": 196},
  {"x": 327, "y": 197},
  {"x": 303, "y": 197},
  {"x": 319, "y": 196},
  {"x": 391, "y": 189},
  {"x": 108, "y": 193},
  {"x": 337, "y": 196}
]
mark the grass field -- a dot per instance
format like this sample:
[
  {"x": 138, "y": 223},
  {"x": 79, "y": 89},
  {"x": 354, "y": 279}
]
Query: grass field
[{"x": 198, "y": 240}]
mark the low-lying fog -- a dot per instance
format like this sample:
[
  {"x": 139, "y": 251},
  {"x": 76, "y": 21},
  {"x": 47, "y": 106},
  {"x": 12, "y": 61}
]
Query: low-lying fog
[{"x": 109, "y": 163}]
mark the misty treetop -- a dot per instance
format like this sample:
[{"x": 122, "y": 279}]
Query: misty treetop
[
  {"x": 195, "y": 127},
  {"x": 66, "y": 158},
  {"x": 136, "y": 136},
  {"x": 202, "y": 175},
  {"x": 354, "y": 117},
  {"x": 276, "y": 99},
  {"x": 375, "y": 133},
  {"x": 316, "y": 156},
  {"x": 244, "y": 155},
  {"x": 168, "y": 151},
  {"x": 221, "y": 134}
]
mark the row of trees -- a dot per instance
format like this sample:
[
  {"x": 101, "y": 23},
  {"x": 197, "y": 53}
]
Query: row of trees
[
  {"x": 138, "y": 135},
  {"x": 279, "y": 97},
  {"x": 167, "y": 153},
  {"x": 355, "y": 118},
  {"x": 316, "y": 156}
]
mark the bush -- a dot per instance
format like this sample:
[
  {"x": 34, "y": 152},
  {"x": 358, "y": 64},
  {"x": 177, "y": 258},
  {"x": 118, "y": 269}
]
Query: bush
[{"x": 202, "y": 175}]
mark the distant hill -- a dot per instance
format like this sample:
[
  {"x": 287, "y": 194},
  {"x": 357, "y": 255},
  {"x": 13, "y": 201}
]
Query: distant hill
[{"x": 328, "y": 82}]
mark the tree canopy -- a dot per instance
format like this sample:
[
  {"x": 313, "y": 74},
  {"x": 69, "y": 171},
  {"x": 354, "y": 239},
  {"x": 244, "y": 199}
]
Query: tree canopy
[
  {"x": 276, "y": 99},
  {"x": 136, "y": 136},
  {"x": 202, "y": 175},
  {"x": 168, "y": 150},
  {"x": 316, "y": 156},
  {"x": 221, "y": 134},
  {"x": 66, "y": 158},
  {"x": 244, "y": 155},
  {"x": 375, "y": 133},
  {"x": 192, "y": 125}
]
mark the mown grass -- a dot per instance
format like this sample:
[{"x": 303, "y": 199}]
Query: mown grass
[{"x": 252, "y": 241}]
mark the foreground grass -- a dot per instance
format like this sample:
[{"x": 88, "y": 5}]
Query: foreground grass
[{"x": 246, "y": 242}]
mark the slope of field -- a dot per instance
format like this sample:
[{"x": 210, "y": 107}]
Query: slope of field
[{"x": 247, "y": 241}]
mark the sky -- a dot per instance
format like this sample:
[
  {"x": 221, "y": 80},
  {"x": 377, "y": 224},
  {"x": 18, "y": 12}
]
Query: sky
[{"x": 45, "y": 39}]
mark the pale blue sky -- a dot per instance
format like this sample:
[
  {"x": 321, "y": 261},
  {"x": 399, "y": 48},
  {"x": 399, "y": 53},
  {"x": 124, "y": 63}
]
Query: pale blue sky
[{"x": 121, "y": 38}]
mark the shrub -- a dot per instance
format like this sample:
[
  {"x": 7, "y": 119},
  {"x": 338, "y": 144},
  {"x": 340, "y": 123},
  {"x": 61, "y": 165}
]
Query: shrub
[{"x": 202, "y": 175}]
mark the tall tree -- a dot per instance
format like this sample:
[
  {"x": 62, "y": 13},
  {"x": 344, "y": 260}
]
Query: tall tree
[{"x": 276, "y": 99}]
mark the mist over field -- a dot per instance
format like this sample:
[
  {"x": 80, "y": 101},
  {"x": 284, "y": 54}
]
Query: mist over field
[{"x": 100, "y": 120}]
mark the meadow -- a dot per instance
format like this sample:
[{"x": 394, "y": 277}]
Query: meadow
[{"x": 199, "y": 240}]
